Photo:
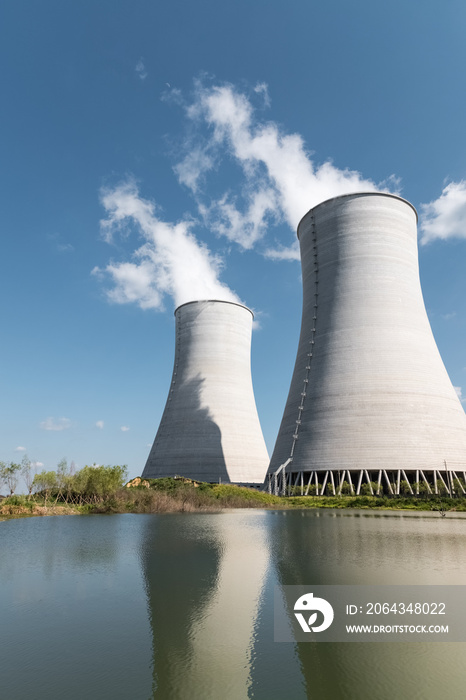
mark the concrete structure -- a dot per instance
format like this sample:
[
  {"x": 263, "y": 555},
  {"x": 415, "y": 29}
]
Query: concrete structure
[
  {"x": 370, "y": 399},
  {"x": 210, "y": 429}
]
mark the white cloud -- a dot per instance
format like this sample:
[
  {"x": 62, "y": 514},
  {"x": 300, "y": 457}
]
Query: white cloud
[
  {"x": 124, "y": 428},
  {"x": 59, "y": 424},
  {"x": 141, "y": 69},
  {"x": 445, "y": 217},
  {"x": 37, "y": 465},
  {"x": 449, "y": 316},
  {"x": 170, "y": 262},
  {"x": 134, "y": 283},
  {"x": 282, "y": 253},
  {"x": 99, "y": 424},
  {"x": 55, "y": 239},
  {"x": 65, "y": 248},
  {"x": 459, "y": 393},
  {"x": 195, "y": 163},
  {"x": 280, "y": 181},
  {"x": 20, "y": 449},
  {"x": 263, "y": 89}
]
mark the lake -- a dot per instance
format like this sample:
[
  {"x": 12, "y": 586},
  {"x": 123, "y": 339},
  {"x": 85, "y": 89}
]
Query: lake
[{"x": 180, "y": 606}]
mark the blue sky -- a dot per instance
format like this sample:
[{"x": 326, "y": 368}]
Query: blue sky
[{"x": 157, "y": 152}]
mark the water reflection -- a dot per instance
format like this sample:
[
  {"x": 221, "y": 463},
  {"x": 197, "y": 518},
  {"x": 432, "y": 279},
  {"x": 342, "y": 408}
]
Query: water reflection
[
  {"x": 180, "y": 606},
  {"x": 354, "y": 547},
  {"x": 63, "y": 550},
  {"x": 72, "y": 609},
  {"x": 204, "y": 587},
  {"x": 328, "y": 547}
]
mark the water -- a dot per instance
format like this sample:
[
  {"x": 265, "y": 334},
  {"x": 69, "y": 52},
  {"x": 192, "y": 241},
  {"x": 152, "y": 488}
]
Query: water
[{"x": 180, "y": 606}]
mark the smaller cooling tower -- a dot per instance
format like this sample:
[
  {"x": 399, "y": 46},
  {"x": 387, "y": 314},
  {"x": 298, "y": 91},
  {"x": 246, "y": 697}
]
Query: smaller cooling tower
[{"x": 210, "y": 429}]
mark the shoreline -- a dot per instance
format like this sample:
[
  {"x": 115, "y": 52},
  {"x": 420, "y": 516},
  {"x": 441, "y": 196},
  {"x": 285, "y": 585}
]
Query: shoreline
[{"x": 190, "y": 497}]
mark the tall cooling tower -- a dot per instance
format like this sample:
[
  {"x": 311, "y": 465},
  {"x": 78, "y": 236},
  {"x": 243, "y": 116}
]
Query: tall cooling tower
[
  {"x": 370, "y": 399},
  {"x": 210, "y": 429}
]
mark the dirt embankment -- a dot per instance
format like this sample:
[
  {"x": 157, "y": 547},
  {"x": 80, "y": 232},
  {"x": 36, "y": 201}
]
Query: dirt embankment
[{"x": 16, "y": 511}]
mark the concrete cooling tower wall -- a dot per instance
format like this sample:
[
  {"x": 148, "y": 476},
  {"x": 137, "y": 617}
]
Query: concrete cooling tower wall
[
  {"x": 370, "y": 398},
  {"x": 210, "y": 429}
]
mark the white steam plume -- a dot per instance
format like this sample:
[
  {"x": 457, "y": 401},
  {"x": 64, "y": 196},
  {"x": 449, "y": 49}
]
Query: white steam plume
[
  {"x": 280, "y": 180},
  {"x": 171, "y": 261},
  {"x": 445, "y": 217}
]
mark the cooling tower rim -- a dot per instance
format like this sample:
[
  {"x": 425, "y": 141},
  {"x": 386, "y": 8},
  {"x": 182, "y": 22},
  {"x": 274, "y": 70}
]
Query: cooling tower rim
[
  {"x": 217, "y": 301},
  {"x": 358, "y": 194}
]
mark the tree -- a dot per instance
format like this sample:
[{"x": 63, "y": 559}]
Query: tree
[
  {"x": 101, "y": 482},
  {"x": 366, "y": 488},
  {"x": 27, "y": 473},
  {"x": 9, "y": 474},
  {"x": 441, "y": 488},
  {"x": 421, "y": 487},
  {"x": 62, "y": 477},
  {"x": 404, "y": 487},
  {"x": 45, "y": 482},
  {"x": 345, "y": 488},
  {"x": 94, "y": 484}
]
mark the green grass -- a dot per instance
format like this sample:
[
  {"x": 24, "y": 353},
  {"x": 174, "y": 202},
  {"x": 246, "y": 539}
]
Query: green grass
[{"x": 425, "y": 503}]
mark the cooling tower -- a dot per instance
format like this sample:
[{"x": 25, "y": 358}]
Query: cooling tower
[
  {"x": 370, "y": 399},
  {"x": 210, "y": 429}
]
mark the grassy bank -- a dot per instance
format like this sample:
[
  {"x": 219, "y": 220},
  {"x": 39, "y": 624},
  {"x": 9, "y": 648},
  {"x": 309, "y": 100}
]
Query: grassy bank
[
  {"x": 156, "y": 496},
  {"x": 425, "y": 503},
  {"x": 184, "y": 495}
]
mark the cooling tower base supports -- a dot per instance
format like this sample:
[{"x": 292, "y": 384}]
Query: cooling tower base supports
[{"x": 394, "y": 482}]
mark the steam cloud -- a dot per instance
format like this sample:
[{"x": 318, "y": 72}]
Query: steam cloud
[
  {"x": 171, "y": 261},
  {"x": 278, "y": 183}
]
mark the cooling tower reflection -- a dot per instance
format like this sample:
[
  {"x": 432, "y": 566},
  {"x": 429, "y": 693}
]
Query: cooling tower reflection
[
  {"x": 210, "y": 581},
  {"x": 181, "y": 606},
  {"x": 331, "y": 547},
  {"x": 203, "y": 589}
]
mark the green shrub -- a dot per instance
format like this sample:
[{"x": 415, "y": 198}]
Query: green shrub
[
  {"x": 366, "y": 489},
  {"x": 404, "y": 487},
  {"x": 345, "y": 488},
  {"x": 421, "y": 487},
  {"x": 17, "y": 501}
]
